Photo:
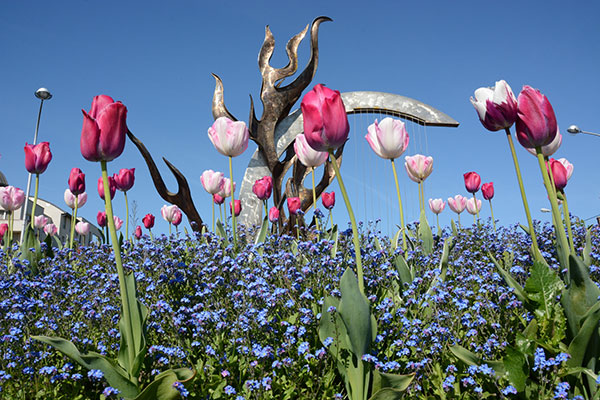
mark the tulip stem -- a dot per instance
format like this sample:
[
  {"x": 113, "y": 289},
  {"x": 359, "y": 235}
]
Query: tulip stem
[
  {"x": 355, "y": 238},
  {"x": 266, "y": 208},
  {"x": 120, "y": 271},
  {"x": 476, "y": 208},
  {"x": 314, "y": 193},
  {"x": 11, "y": 223},
  {"x": 170, "y": 229},
  {"x": 331, "y": 218},
  {"x": 459, "y": 220},
  {"x": 568, "y": 221},
  {"x": 35, "y": 196},
  {"x": 232, "y": 202},
  {"x": 213, "y": 213},
  {"x": 437, "y": 217},
  {"x": 126, "y": 217},
  {"x": 73, "y": 219},
  {"x": 493, "y": 219},
  {"x": 523, "y": 196},
  {"x": 400, "y": 206}
]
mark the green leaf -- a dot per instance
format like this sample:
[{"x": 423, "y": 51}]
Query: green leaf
[
  {"x": 48, "y": 253},
  {"x": 395, "y": 381},
  {"x": 454, "y": 230},
  {"x": 471, "y": 358},
  {"x": 581, "y": 294},
  {"x": 31, "y": 241},
  {"x": 377, "y": 244},
  {"x": 162, "y": 386},
  {"x": 510, "y": 281},
  {"x": 587, "y": 250},
  {"x": 543, "y": 286},
  {"x": 334, "y": 235},
  {"x": 264, "y": 229},
  {"x": 388, "y": 394},
  {"x": 355, "y": 312},
  {"x": 220, "y": 231},
  {"x": 525, "y": 229},
  {"x": 515, "y": 364},
  {"x": 404, "y": 272},
  {"x": 585, "y": 345},
  {"x": 116, "y": 376},
  {"x": 448, "y": 246},
  {"x": 425, "y": 234},
  {"x": 395, "y": 240}
]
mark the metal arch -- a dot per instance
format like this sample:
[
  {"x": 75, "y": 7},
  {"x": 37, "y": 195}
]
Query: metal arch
[{"x": 355, "y": 102}]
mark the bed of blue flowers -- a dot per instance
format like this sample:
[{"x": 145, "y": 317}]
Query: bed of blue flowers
[{"x": 248, "y": 322}]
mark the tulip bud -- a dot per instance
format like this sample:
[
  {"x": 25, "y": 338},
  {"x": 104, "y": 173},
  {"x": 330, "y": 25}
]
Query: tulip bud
[
  {"x": 148, "y": 221},
  {"x": 328, "y": 200},
  {"x": 472, "y": 207},
  {"x": 229, "y": 138},
  {"x": 226, "y": 189},
  {"x": 472, "y": 181},
  {"x": 104, "y": 130},
  {"x": 125, "y": 179},
  {"x": 262, "y": 188},
  {"x": 418, "y": 167},
  {"x": 488, "y": 190},
  {"x": 39, "y": 221},
  {"x": 436, "y": 205},
  {"x": 76, "y": 181},
  {"x": 37, "y": 157},
  {"x": 536, "y": 122},
  {"x": 50, "y": 230},
  {"x": 118, "y": 222},
  {"x": 496, "y": 107},
  {"x": 308, "y": 156},
  {"x": 457, "y": 203},
  {"x": 274, "y": 214},
  {"x": 11, "y": 198},
  {"x": 138, "y": 232},
  {"x": 83, "y": 228},
  {"x": 218, "y": 199},
  {"x": 111, "y": 185},
  {"x": 324, "y": 118},
  {"x": 388, "y": 139},
  {"x": 212, "y": 181},
  {"x": 238, "y": 207},
  {"x": 70, "y": 199},
  {"x": 294, "y": 205},
  {"x": 569, "y": 167},
  {"x": 101, "y": 219},
  {"x": 559, "y": 174},
  {"x": 3, "y": 230},
  {"x": 177, "y": 217}
]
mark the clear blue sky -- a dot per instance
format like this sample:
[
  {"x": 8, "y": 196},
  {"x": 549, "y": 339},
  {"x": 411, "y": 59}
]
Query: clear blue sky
[{"x": 157, "y": 57}]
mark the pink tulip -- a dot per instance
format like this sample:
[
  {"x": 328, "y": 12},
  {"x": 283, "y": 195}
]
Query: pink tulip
[
  {"x": 70, "y": 199},
  {"x": 118, "y": 222},
  {"x": 238, "y": 207},
  {"x": 294, "y": 204},
  {"x": 550, "y": 148},
  {"x": 50, "y": 230},
  {"x": 83, "y": 228},
  {"x": 488, "y": 190},
  {"x": 226, "y": 190},
  {"x": 328, "y": 200},
  {"x": 125, "y": 179},
  {"x": 39, "y": 221},
  {"x": 263, "y": 187},
  {"x": 457, "y": 203},
  {"x": 37, "y": 157},
  {"x": 472, "y": 207},
  {"x": 148, "y": 221},
  {"x": 472, "y": 181},
  {"x": 169, "y": 212},
  {"x": 274, "y": 214},
  {"x": 308, "y": 156},
  {"x": 101, "y": 219},
  {"x": 559, "y": 174},
  {"x": 11, "y": 198},
  {"x": 177, "y": 217},
  {"x": 111, "y": 185},
  {"x": 3, "y": 230},
  {"x": 212, "y": 181},
  {"x": 418, "y": 167},
  {"x": 437, "y": 205},
  {"x": 218, "y": 199},
  {"x": 229, "y": 138},
  {"x": 104, "y": 130},
  {"x": 76, "y": 181},
  {"x": 388, "y": 139},
  {"x": 138, "y": 232},
  {"x": 536, "y": 122},
  {"x": 496, "y": 107},
  {"x": 569, "y": 167},
  {"x": 324, "y": 117}
]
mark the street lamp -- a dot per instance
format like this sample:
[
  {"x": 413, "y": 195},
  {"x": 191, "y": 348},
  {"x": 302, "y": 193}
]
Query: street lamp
[
  {"x": 42, "y": 94},
  {"x": 574, "y": 129}
]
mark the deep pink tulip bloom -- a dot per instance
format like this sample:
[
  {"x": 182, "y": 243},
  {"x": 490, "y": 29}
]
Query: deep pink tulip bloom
[
  {"x": 308, "y": 156},
  {"x": 3, "y": 230},
  {"x": 11, "y": 198},
  {"x": 111, "y": 185},
  {"x": 472, "y": 181},
  {"x": 238, "y": 207},
  {"x": 488, "y": 190},
  {"x": 177, "y": 217},
  {"x": 118, "y": 222},
  {"x": 328, "y": 200},
  {"x": 138, "y": 232},
  {"x": 274, "y": 214},
  {"x": 104, "y": 130},
  {"x": 148, "y": 221},
  {"x": 83, "y": 228},
  {"x": 76, "y": 181},
  {"x": 101, "y": 219},
  {"x": 457, "y": 203},
  {"x": 37, "y": 157},
  {"x": 567, "y": 165},
  {"x": 418, "y": 167},
  {"x": 324, "y": 117},
  {"x": 230, "y": 138},
  {"x": 388, "y": 138},
  {"x": 550, "y": 148},
  {"x": 536, "y": 122},
  {"x": 496, "y": 107},
  {"x": 473, "y": 207},
  {"x": 263, "y": 187},
  {"x": 559, "y": 174},
  {"x": 212, "y": 181},
  {"x": 125, "y": 179},
  {"x": 294, "y": 205},
  {"x": 70, "y": 199},
  {"x": 39, "y": 221},
  {"x": 218, "y": 199},
  {"x": 50, "y": 230},
  {"x": 437, "y": 205}
]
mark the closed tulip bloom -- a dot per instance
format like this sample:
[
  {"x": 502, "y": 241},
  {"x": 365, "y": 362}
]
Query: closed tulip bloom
[
  {"x": 472, "y": 181},
  {"x": 550, "y": 148},
  {"x": 308, "y": 156},
  {"x": 569, "y": 167},
  {"x": 138, "y": 232},
  {"x": 238, "y": 207},
  {"x": 388, "y": 139},
  {"x": 294, "y": 204},
  {"x": 496, "y": 107},
  {"x": 148, "y": 221},
  {"x": 50, "y": 229},
  {"x": 111, "y": 185},
  {"x": 125, "y": 179},
  {"x": 536, "y": 122},
  {"x": 230, "y": 138},
  {"x": 324, "y": 118},
  {"x": 212, "y": 181},
  {"x": 274, "y": 214},
  {"x": 76, "y": 181},
  {"x": 11, "y": 198},
  {"x": 226, "y": 189},
  {"x": 39, "y": 221},
  {"x": 263, "y": 187},
  {"x": 328, "y": 200},
  {"x": 37, "y": 157},
  {"x": 436, "y": 205},
  {"x": 118, "y": 222},
  {"x": 70, "y": 199},
  {"x": 473, "y": 207},
  {"x": 218, "y": 199},
  {"x": 457, "y": 203},
  {"x": 559, "y": 174},
  {"x": 3, "y": 230},
  {"x": 488, "y": 190},
  {"x": 418, "y": 167},
  {"x": 101, "y": 219},
  {"x": 177, "y": 217},
  {"x": 104, "y": 130},
  {"x": 83, "y": 228},
  {"x": 169, "y": 212}
]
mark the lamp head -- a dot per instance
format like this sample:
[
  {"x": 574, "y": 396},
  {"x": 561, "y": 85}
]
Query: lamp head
[
  {"x": 43, "y": 94},
  {"x": 574, "y": 129}
]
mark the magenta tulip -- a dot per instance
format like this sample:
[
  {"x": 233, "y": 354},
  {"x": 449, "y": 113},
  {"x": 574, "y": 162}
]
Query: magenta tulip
[
  {"x": 76, "y": 181},
  {"x": 230, "y": 138},
  {"x": 472, "y": 181},
  {"x": 238, "y": 207},
  {"x": 473, "y": 206},
  {"x": 274, "y": 214},
  {"x": 101, "y": 219},
  {"x": 37, "y": 157},
  {"x": 550, "y": 148},
  {"x": 111, "y": 185},
  {"x": 324, "y": 117},
  {"x": 39, "y": 221},
  {"x": 148, "y": 221},
  {"x": 104, "y": 130},
  {"x": 388, "y": 139},
  {"x": 83, "y": 228},
  {"x": 3, "y": 229},
  {"x": 263, "y": 187},
  {"x": 138, "y": 232},
  {"x": 11, "y": 198},
  {"x": 536, "y": 122},
  {"x": 50, "y": 230},
  {"x": 294, "y": 204},
  {"x": 70, "y": 199},
  {"x": 217, "y": 199},
  {"x": 488, "y": 190},
  {"x": 457, "y": 203},
  {"x": 559, "y": 174},
  {"x": 569, "y": 167},
  {"x": 418, "y": 167},
  {"x": 437, "y": 205},
  {"x": 125, "y": 179},
  {"x": 308, "y": 156},
  {"x": 328, "y": 200},
  {"x": 496, "y": 107},
  {"x": 177, "y": 217},
  {"x": 212, "y": 181}
]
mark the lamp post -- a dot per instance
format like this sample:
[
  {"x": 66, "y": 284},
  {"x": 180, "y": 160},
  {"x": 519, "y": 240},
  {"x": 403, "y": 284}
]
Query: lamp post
[
  {"x": 574, "y": 129},
  {"x": 42, "y": 94}
]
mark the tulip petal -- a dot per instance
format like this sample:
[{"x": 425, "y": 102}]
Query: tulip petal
[
  {"x": 90, "y": 135},
  {"x": 99, "y": 103},
  {"x": 113, "y": 128}
]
